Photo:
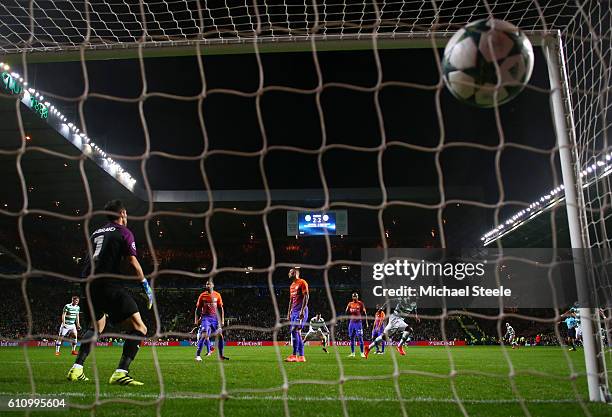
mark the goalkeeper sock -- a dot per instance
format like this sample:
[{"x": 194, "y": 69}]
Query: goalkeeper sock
[
  {"x": 353, "y": 343},
  {"x": 383, "y": 346},
  {"x": 130, "y": 349},
  {"x": 361, "y": 343},
  {"x": 85, "y": 347}
]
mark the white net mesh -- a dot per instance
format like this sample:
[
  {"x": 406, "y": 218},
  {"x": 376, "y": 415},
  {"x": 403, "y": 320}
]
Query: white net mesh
[
  {"x": 44, "y": 29},
  {"x": 60, "y": 25},
  {"x": 588, "y": 59}
]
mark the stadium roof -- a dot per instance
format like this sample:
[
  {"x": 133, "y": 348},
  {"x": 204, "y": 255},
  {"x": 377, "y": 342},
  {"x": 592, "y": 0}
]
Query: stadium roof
[
  {"x": 294, "y": 162},
  {"x": 54, "y": 187}
]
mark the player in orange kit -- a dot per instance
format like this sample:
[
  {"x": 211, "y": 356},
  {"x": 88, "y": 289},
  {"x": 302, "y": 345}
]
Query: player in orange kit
[
  {"x": 378, "y": 328},
  {"x": 209, "y": 312},
  {"x": 354, "y": 308},
  {"x": 297, "y": 314}
]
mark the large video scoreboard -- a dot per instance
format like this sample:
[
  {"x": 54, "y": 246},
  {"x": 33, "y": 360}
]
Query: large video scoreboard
[{"x": 317, "y": 223}]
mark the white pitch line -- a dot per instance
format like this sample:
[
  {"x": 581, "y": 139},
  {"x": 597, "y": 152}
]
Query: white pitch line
[{"x": 187, "y": 396}]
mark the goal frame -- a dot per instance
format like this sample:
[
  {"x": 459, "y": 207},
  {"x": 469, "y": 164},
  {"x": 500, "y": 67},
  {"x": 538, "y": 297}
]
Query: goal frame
[
  {"x": 233, "y": 46},
  {"x": 561, "y": 110}
]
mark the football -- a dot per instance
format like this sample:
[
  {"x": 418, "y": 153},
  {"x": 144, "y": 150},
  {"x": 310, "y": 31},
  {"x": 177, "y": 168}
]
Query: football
[{"x": 487, "y": 62}]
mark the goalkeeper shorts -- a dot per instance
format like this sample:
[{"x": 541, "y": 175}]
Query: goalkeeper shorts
[{"x": 112, "y": 300}]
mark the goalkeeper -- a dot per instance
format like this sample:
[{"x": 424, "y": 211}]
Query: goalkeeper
[
  {"x": 110, "y": 299},
  {"x": 318, "y": 330}
]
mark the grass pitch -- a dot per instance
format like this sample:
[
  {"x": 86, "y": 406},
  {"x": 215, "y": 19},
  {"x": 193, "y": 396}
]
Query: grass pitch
[{"x": 545, "y": 382}]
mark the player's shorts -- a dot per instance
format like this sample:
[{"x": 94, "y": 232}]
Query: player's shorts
[
  {"x": 113, "y": 300},
  {"x": 396, "y": 324},
  {"x": 209, "y": 325},
  {"x": 571, "y": 333},
  {"x": 355, "y": 328},
  {"x": 296, "y": 324},
  {"x": 66, "y": 329},
  {"x": 318, "y": 333}
]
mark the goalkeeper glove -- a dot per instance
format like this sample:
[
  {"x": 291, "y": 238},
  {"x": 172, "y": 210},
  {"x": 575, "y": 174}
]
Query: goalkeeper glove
[{"x": 148, "y": 291}]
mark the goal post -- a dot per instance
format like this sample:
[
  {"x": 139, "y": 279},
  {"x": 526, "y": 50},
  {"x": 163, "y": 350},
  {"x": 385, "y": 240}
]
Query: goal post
[{"x": 597, "y": 376}]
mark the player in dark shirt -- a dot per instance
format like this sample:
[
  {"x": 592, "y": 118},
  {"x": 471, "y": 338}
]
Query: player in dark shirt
[{"x": 111, "y": 244}]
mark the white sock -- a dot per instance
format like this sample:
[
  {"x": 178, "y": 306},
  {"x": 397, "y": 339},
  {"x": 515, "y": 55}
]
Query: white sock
[
  {"x": 57, "y": 347},
  {"x": 121, "y": 370},
  {"x": 403, "y": 339},
  {"x": 76, "y": 365},
  {"x": 376, "y": 342}
]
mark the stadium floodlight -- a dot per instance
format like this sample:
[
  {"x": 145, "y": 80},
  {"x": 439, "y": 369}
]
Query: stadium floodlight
[
  {"x": 125, "y": 180},
  {"x": 600, "y": 169}
]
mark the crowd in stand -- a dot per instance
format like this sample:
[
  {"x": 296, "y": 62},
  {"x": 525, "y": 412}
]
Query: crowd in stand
[
  {"x": 250, "y": 315},
  {"x": 34, "y": 309}
]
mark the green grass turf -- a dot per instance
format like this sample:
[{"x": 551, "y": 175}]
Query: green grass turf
[{"x": 253, "y": 381}]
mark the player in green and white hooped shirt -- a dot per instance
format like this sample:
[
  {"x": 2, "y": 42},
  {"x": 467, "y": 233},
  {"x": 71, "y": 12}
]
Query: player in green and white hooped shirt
[
  {"x": 405, "y": 307},
  {"x": 70, "y": 325},
  {"x": 319, "y": 330}
]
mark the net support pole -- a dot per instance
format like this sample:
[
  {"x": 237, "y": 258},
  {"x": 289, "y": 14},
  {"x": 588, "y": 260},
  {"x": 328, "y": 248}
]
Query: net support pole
[{"x": 595, "y": 365}]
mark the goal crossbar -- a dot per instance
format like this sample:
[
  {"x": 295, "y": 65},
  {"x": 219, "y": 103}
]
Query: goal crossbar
[{"x": 231, "y": 46}]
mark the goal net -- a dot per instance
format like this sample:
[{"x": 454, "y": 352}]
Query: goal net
[{"x": 223, "y": 124}]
